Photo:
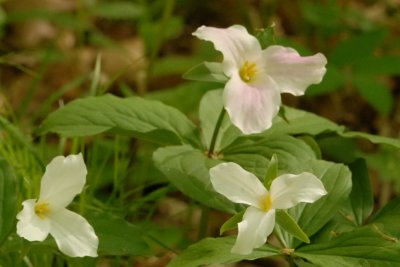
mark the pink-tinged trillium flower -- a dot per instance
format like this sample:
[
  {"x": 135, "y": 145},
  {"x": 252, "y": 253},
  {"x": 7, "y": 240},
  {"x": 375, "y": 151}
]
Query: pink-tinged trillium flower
[
  {"x": 63, "y": 179},
  {"x": 240, "y": 186},
  {"x": 257, "y": 77}
]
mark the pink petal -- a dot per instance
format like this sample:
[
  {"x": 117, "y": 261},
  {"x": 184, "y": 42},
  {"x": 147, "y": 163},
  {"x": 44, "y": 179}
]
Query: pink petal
[
  {"x": 235, "y": 44},
  {"x": 292, "y": 72},
  {"x": 251, "y": 107}
]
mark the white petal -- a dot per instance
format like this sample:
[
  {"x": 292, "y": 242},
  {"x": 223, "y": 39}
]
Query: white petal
[
  {"x": 29, "y": 225},
  {"x": 236, "y": 184},
  {"x": 235, "y": 44},
  {"x": 251, "y": 107},
  {"x": 288, "y": 190},
  {"x": 63, "y": 180},
  {"x": 292, "y": 72},
  {"x": 256, "y": 226},
  {"x": 74, "y": 236}
]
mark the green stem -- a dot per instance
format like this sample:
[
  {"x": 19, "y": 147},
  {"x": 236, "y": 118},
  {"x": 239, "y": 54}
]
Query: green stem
[
  {"x": 291, "y": 261},
  {"x": 203, "y": 223},
  {"x": 215, "y": 133}
]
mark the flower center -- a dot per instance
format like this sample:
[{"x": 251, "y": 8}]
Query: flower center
[
  {"x": 41, "y": 209},
  {"x": 248, "y": 71},
  {"x": 266, "y": 203}
]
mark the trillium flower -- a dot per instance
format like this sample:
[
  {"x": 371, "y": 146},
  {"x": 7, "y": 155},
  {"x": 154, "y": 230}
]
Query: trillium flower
[
  {"x": 63, "y": 179},
  {"x": 257, "y": 77},
  {"x": 240, "y": 186}
]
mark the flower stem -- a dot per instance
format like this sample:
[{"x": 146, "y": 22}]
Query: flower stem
[
  {"x": 215, "y": 133},
  {"x": 205, "y": 212}
]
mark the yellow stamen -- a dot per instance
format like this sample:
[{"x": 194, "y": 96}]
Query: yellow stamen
[
  {"x": 248, "y": 71},
  {"x": 266, "y": 203},
  {"x": 41, "y": 209}
]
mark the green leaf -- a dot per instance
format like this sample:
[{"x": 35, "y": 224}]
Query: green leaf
[
  {"x": 185, "y": 97},
  {"x": 206, "y": 72},
  {"x": 311, "y": 217},
  {"x": 209, "y": 112},
  {"x": 312, "y": 143},
  {"x": 188, "y": 170},
  {"x": 272, "y": 171},
  {"x": 338, "y": 148},
  {"x": 386, "y": 65},
  {"x": 376, "y": 93},
  {"x": 356, "y": 47},
  {"x": 118, "y": 237},
  {"x": 302, "y": 122},
  {"x": 266, "y": 36},
  {"x": 231, "y": 223},
  {"x": 217, "y": 251},
  {"x": 287, "y": 223},
  {"x": 375, "y": 139},
  {"x": 173, "y": 65},
  {"x": 254, "y": 163},
  {"x": 361, "y": 197},
  {"x": 117, "y": 10},
  {"x": 291, "y": 152},
  {"x": 333, "y": 81},
  {"x": 8, "y": 200},
  {"x": 388, "y": 217},
  {"x": 150, "y": 120},
  {"x": 362, "y": 247}
]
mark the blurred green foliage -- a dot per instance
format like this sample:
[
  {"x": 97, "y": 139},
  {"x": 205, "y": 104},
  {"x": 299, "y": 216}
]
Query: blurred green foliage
[{"x": 359, "y": 38}]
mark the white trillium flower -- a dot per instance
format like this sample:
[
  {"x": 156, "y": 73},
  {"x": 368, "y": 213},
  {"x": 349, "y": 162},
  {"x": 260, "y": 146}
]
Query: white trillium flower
[
  {"x": 240, "y": 186},
  {"x": 257, "y": 77},
  {"x": 63, "y": 179}
]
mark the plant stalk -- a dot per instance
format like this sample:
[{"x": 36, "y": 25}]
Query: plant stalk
[{"x": 215, "y": 133}]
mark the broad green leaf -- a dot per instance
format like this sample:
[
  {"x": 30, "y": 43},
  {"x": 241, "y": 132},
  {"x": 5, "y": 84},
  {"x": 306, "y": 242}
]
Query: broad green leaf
[
  {"x": 188, "y": 170},
  {"x": 150, "y": 120},
  {"x": 365, "y": 246},
  {"x": 376, "y": 93},
  {"x": 287, "y": 223},
  {"x": 154, "y": 33},
  {"x": 338, "y": 148},
  {"x": 173, "y": 65},
  {"x": 311, "y": 217},
  {"x": 185, "y": 97},
  {"x": 361, "y": 198},
  {"x": 254, "y": 163},
  {"x": 206, "y": 72},
  {"x": 8, "y": 199},
  {"x": 231, "y": 223},
  {"x": 217, "y": 251},
  {"x": 332, "y": 81},
  {"x": 117, "y": 236},
  {"x": 385, "y": 162},
  {"x": 389, "y": 217},
  {"x": 375, "y": 139},
  {"x": 356, "y": 47},
  {"x": 291, "y": 152},
  {"x": 209, "y": 112},
  {"x": 266, "y": 36},
  {"x": 326, "y": 15},
  {"x": 386, "y": 65},
  {"x": 302, "y": 122},
  {"x": 272, "y": 171},
  {"x": 312, "y": 143}
]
